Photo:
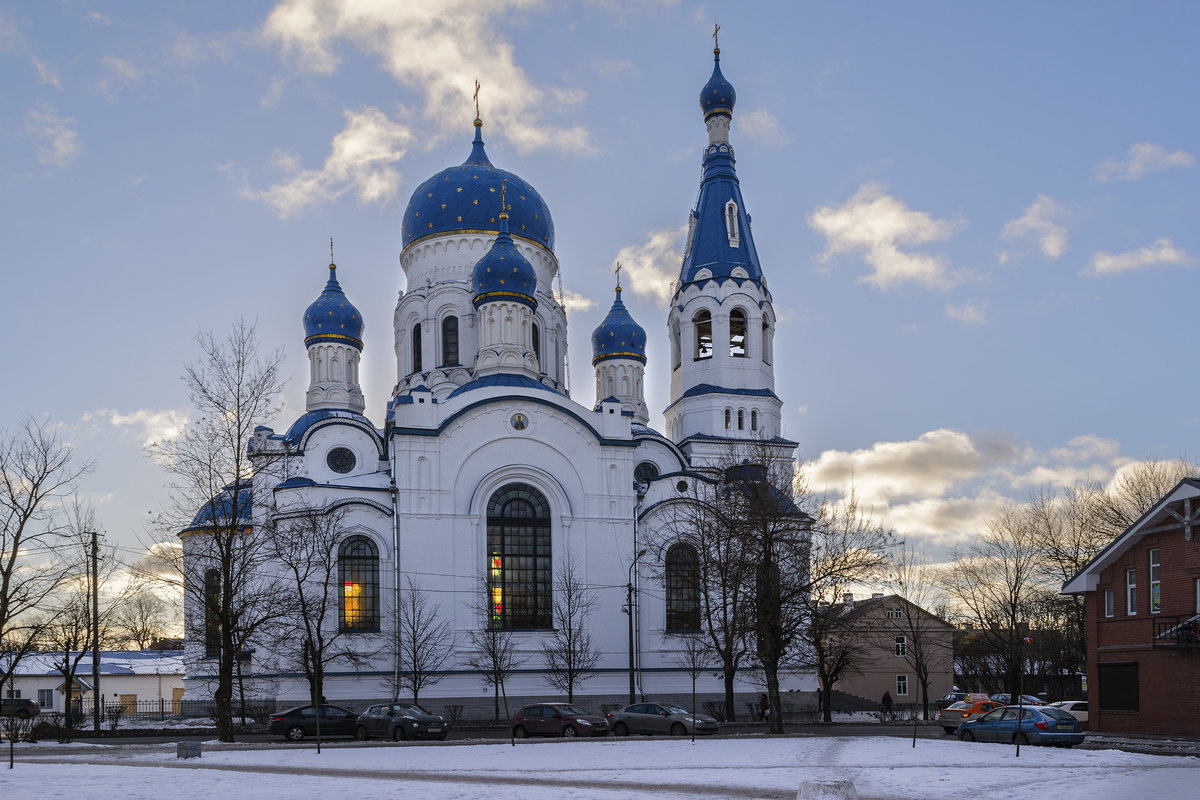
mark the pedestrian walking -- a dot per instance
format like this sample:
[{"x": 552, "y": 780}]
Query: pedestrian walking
[
  {"x": 764, "y": 708},
  {"x": 887, "y": 706}
]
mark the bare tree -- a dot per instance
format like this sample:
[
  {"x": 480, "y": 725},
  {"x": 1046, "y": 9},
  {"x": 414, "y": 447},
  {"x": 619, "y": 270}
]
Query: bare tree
[
  {"x": 494, "y": 653},
  {"x": 140, "y": 619},
  {"x": 228, "y": 588},
  {"x": 1136, "y": 488},
  {"x": 913, "y": 582},
  {"x": 694, "y": 654},
  {"x": 568, "y": 653},
  {"x": 37, "y": 471},
  {"x": 426, "y": 640}
]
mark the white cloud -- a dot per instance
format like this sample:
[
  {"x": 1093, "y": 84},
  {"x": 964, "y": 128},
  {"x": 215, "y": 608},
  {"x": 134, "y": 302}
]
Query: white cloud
[
  {"x": 877, "y": 225},
  {"x": 118, "y": 73},
  {"x": 1162, "y": 252},
  {"x": 148, "y": 426},
  {"x": 360, "y": 160},
  {"x": 1142, "y": 159},
  {"x": 573, "y": 301},
  {"x": 1040, "y": 221},
  {"x": 653, "y": 266},
  {"x": 438, "y": 49},
  {"x": 761, "y": 125},
  {"x": 970, "y": 313},
  {"x": 947, "y": 521},
  {"x": 12, "y": 40},
  {"x": 58, "y": 141}
]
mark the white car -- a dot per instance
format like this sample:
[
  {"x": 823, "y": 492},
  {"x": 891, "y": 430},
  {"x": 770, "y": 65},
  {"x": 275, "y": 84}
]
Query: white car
[{"x": 1076, "y": 708}]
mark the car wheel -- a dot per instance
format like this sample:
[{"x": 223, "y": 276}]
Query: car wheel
[
  {"x": 678, "y": 729},
  {"x": 360, "y": 733},
  {"x": 570, "y": 732},
  {"x": 520, "y": 733},
  {"x": 442, "y": 738},
  {"x": 948, "y": 730},
  {"x": 620, "y": 729},
  {"x": 294, "y": 733},
  {"x": 967, "y": 736},
  {"x": 1021, "y": 739},
  {"x": 398, "y": 734},
  {"x": 21, "y": 714}
]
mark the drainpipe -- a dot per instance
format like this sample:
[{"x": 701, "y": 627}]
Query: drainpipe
[{"x": 635, "y": 606}]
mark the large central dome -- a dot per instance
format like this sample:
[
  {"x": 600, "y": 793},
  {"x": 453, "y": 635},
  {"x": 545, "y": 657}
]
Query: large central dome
[{"x": 467, "y": 198}]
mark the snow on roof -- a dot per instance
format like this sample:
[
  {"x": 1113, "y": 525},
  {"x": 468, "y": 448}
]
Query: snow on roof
[{"x": 112, "y": 662}]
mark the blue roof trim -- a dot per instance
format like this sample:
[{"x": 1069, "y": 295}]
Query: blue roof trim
[
  {"x": 293, "y": 483},
  {"x": 501, "y": 379},
  {"x": 308, "y": 422},
  {"x": 222, "y": 508},
  {"x": 708, "y": 388}
]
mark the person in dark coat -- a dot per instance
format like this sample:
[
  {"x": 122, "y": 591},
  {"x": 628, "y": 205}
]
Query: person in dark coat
[
  {"x": 764, "y": 707},
  {"x": 887, "y": 705}
]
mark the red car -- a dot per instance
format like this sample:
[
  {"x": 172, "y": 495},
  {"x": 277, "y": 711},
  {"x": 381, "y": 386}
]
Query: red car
[{"x": 557, "y": 719}]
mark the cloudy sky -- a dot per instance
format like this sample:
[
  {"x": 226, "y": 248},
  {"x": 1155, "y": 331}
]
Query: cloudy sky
[{"x": 978, "y": 221}]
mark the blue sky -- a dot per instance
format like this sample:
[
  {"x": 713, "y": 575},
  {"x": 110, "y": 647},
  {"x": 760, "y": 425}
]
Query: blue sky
[{"x": 978, "y": 221}]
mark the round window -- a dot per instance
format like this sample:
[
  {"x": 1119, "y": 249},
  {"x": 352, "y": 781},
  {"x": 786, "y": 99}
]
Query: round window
[
  {"x": 340, "y": 459},
  {"x": 682, "y": 486},
  {"x": 645, "y": 472}
]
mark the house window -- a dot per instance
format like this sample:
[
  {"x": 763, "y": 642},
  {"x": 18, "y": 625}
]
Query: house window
[
  {"x": 741, "y": 419},
  {"x": 1131, "y": 591},
  {"x": 212, "y": 613},
  {"x": 450, "y": 340},
  {"x": 901, "y": 646},
  {"x": 704, "y": 341},
  {"x": 894, "y": 613},
  {"x": 358, "y": 579},
  {"x": 13, "y": 694},
  {"x": 901, "y": 685},
  {"x": 683, "y": 589},
  {"x": 519, "y": 566},
  {"x": 416, "y": 347},
  {"x": 46, "y": 699},
  {"x": 1155, "y": 583},
  {"x": 1110, "y": 603},
  {"x": 737, "y": 333}
]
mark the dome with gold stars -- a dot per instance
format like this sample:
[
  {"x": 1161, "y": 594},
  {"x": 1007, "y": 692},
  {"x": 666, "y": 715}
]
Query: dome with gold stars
[
  {"x": 332, "y": 317},
  {"x": 467, "y": 198}
]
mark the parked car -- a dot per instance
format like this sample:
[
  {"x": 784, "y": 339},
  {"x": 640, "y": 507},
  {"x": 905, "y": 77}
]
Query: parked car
[
  {"x": 556, "y": 719},
  {"x": 957, "y": 713},
  {"x": 1076, "y": 708},
  {"x": 19, "y": 707},
  {"x": 1038, "y": 725},
  {"x": 398, "y": 722},
  {"x": 950, "y": 698},
  {"x": 301, "y": 721},
  {"x": 651, "y": 718},
  {"x": 1011, "y": 699}
]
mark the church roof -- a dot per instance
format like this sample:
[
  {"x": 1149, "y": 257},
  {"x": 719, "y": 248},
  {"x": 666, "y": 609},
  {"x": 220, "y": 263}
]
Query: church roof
[
  {"x": 466, "y": 197},
  {"x": 717, "y": 96},
  {"x": 501, "y": 379},
  {"x": 332, "y": 317},
  {"x": 222, "y": 508},
  {"x": 503, "y": 273},
  {"x": 308, "y": 419},
  {"x": 618, "y": 336}
]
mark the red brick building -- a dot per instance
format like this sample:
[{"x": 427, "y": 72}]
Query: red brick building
[{"x": 1143, "y": 621}]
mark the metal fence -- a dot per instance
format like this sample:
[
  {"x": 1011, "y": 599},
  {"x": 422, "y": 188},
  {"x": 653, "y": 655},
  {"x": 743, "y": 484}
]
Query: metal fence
[{"x": 130, "y": 713}]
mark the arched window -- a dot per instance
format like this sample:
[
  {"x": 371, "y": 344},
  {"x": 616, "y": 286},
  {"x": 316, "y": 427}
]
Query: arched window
[
  {"x": 683, "y": 588},
  {"x": 537, "y": 346},
  {"x": 737, "y": 333},
  {"x": 766, "y": 343},
  {"x": 450, "y": 340},
  {"x": 704, "y": 343},
  {"x": 675, "y": 347},
  {"x": 741, "y": 419},
  {"x": 731, "y": 223},
  {"x": 645, "y": 472},
  {"x": 728, "y": 419},
  {"x": 754, "y": 420},
  {"x": 212, "y": 611},
  {"x": 416, "y": 347},
  {"x": 518, "y": 551},
  {"x": 358, "y": 577}
]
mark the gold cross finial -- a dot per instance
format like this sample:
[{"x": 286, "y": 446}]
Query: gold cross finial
[
  {"x": 477, "y": 119},
  {"x": 503, "y": 205},
  {"x": 716, "y": 44},
  {"x": 618, "y": 271},
  {"x": 331, "y": 251}
]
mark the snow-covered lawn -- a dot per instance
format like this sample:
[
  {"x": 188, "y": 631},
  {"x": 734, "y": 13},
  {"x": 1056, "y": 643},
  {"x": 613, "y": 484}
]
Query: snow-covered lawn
[{"x": 752, "y": 767}]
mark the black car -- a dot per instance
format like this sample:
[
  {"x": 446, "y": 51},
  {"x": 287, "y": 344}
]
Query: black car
[
  {"x": 18, "y": 707},
  {"x": 398, "y": 722},
  {"x": 301, "y": 721}
]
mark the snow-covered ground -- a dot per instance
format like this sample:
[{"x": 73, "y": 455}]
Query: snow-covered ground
[{"x": 751, "y": 767}]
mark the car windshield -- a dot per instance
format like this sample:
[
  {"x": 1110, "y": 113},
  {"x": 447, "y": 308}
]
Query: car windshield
[
  {"x": 1056, "y": 713},
  {"x": 676, "y": 710},
  {"x": 961, "y": 705},
  {"x": 410, "y": 708},
  {"x": 575, "y": 710}
]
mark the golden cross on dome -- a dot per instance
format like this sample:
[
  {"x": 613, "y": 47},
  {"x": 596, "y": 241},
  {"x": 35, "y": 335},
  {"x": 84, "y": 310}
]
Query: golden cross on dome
[
  {"x": 503, "y": 206},
  {"x": 716, "y": 44},
  {"x": 618, "y": 271},
  {"x": 330, "y": 249},
  {"x": 477, "y": 99}
]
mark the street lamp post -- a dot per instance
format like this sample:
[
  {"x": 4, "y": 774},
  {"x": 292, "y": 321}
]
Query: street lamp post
[{"x": 629, "y": 610}]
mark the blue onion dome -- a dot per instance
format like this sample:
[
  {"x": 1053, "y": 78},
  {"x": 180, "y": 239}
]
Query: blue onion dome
[
  {"x": 333, "y": 318},
  {"x": 618, "y": 336},
  {"x": 221, "y": 510},
  {"x": 717, "y": 96},
  {"x": 463, "y": 198},
  {"x": 503, "y": 273}
]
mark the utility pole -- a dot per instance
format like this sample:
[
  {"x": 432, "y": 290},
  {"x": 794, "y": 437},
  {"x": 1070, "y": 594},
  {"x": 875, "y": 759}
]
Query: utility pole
[{"x": 97, "y": 698}]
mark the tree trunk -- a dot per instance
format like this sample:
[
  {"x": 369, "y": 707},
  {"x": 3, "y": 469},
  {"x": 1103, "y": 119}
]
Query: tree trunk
[{"x": 729, "y": 673}]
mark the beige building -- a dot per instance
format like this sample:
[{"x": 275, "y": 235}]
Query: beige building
[{"x": 893, "y": 636}]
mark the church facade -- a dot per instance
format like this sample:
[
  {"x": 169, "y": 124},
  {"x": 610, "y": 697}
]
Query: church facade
[{"x": 486, "y": 478}]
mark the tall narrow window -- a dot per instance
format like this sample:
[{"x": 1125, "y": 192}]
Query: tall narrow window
[
  {"x": 683, "y": 588},
  {"x": 1110, "y": 603},
  {"x": 450, "y": 340},
  {"x": 737, "y": 333},
  {"x": 754, "y": 419},
  {"x": 416, "y": 347},
  {"x": 741, "y": 419},
  {"x": 728, "y": 419},
  {"x": 731, "y": 223},
  {"x": 1155, "y": 583},
  {"x": 1131, "y": 591},
  {"x": 518, "y": 552},
  {"x": 766, "y": 343},
  {"x": 901, "y": 685},
  {"x": 212, "y": 611},
  {"x": 901, "y": 646},
  {"x": 675, "y": 347},
  {"x": 704, "y": 341},
  {"x": 537, "y": 346},
  {"x": 358, "y": 578}
]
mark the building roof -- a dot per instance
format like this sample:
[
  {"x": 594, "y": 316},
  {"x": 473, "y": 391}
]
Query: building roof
[
  {"x": 332, "y": 317},
  {"x": 112, "y": 662}
]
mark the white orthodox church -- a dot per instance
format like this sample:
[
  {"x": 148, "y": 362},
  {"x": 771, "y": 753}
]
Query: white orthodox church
[{"x": 485, "y": 466}]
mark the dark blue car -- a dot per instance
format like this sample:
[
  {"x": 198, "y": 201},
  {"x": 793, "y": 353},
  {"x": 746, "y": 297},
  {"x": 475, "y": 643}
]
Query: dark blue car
[{"x": 1024, "y": 725}]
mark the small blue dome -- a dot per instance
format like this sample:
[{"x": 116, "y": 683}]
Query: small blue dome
[
  {"x": 717, "y": 96},
  {"x": 333, "y": 318},
  {"x": 503, "y": 273},
  {"x": 221, "y": 510},
  {"x": 618, "y": 336},
  {"x": 464, "y": 198}
]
